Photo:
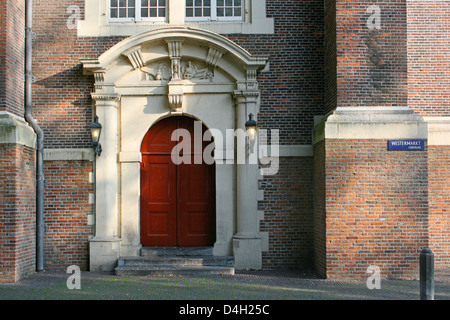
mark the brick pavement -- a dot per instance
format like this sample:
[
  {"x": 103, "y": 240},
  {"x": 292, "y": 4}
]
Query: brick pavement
[{"x": 256, "y": 286}]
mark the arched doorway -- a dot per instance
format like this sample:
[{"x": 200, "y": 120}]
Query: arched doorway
[
  {"x": 131, "y": 95},
  {"x": 177, "y": 201}
]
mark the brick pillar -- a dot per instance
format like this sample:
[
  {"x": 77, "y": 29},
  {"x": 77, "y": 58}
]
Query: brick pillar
[
  {"x": 371, "y": 204},
  {"x": 17, "y": 198},
  {"x": 17, "y": 152},
  {"x": 429, "y": 95}
]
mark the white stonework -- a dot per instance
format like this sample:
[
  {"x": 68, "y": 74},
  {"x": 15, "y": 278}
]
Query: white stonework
[
  {"x": 133, "y": 97},
  {"x": 371, "y": 123},
  {"x": 438, "y": 131},
  {"x": 15, "y": 130},
  {"x": 68, "y": 154},
  {"x": 98, "y": 24}
]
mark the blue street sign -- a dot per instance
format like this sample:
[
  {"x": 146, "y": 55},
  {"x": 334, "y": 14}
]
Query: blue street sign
[{"x": 406, "y": 145}]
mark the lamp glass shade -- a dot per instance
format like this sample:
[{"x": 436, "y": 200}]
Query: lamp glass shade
[
  {"x": 96, "y": 129},
  {"x": 251, "y": 127}
]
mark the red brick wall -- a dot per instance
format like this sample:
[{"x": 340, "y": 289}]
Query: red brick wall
[
  {"x": 429, "y": 57},
  {"x": 66, "y": 214},
  {"x": 12, "y": 48},
  {"x": 288, "y": 216},
  {"x": 292, "y": 92},
  {"x": 319, "y": 200},
  {"x": 330, "y": 61},
  {"x": 439, "y": 199},
  {"x": 62, "y": 100},
  {"x": 429, "y": 95},
  {"x": 17, "y": 212},
  {"x": 371, "y": 64},
  {"x": 376, "y": 210}
]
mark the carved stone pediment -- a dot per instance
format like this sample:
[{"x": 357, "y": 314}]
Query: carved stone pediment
[{"x": 174, "y": 62}]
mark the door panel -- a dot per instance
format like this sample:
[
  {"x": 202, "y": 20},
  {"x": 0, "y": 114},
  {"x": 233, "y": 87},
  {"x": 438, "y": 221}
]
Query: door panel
[
  {"x": 158, "y": 205},
  {"x": 177, "y": 202},
  {"x": 195, "y": 204}
]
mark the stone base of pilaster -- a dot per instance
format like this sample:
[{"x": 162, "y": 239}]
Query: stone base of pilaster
[
  {"x": 104, "y": 254},
  {"x": 247, "y": 253}
]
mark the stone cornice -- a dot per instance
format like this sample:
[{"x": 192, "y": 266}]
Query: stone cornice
[
  {"x": 15, "y": 130},
  {"x": 438, "y": 131},
  {"x": 371, "y": 123},
  {"x": 106, "y": 97}
]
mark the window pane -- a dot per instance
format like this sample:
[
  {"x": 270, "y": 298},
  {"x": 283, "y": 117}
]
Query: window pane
[
  {"x": 131, "y": 13},
  {"x": 122, "y": 3},
  {"x": 153, "y": 8},
  {"x": 122, "y": 13},
  {"x": 198, "y": 8},
  {"x": 113, "y": 3},
  {"x": 113, "y": 13},
  {"x": 229, "y": 8},
  {"x": 131, "y": 3}
]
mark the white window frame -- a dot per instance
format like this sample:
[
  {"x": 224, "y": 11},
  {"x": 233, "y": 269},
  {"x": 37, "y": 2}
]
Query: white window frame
[
  {"x": 97, "y": 22},
  {"x": 137, "y": 14},
  {"x": 214, "y": 16}
]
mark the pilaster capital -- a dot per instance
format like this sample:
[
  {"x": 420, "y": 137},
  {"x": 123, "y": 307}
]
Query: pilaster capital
[
  {"x": 245, "y": 96},
  {"x": 106, "y": 99}
]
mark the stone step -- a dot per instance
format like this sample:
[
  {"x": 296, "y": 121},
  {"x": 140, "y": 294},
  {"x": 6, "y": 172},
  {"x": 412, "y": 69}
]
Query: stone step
[
  {"x": 172, "y": 270},
  {"x": 177, "y": 260},
  {"x": 176, "y": 251}
]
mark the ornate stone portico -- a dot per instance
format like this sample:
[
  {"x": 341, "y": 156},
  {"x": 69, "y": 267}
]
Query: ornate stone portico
[{"x": 163, "y": 73}]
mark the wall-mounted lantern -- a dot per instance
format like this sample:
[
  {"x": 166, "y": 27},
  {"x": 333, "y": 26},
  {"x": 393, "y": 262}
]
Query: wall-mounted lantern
[
  {"x": 96, "y": 130},
  {"x": 251, "y": 127}
]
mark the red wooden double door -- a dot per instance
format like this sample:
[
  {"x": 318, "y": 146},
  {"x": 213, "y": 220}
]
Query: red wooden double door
[{"x": 177, "y": 201}]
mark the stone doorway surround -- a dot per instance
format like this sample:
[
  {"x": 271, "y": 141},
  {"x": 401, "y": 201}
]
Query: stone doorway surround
[{"x": 158, "y": 74}]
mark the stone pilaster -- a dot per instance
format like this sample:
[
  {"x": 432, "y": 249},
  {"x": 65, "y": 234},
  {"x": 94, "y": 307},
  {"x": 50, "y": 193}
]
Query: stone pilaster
[
  {"x": 105, "y": 246},
  {"x": 247, "y": 245}
]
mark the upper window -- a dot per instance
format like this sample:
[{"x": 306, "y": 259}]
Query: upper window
[
  {"x": 130, "y": 17},
  {"x": 211, "y": 10},
  {"x": 138, "y": 10}
]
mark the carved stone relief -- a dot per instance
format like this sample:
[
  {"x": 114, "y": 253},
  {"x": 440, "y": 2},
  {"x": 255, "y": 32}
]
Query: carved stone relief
[
  {"x": 194, "y": 70},
  {"x": 158, "y": 71},
  {"x": 184, "y": 70}
]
